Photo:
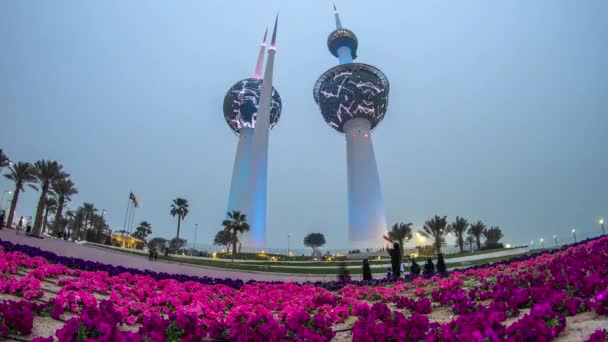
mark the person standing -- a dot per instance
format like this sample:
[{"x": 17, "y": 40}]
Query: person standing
[
  {"x": 2, "y": 214},
  {"x": 367, "y": 271},
  {"x": 395, "y": 254},
  {"x": 19, "y": 225}
]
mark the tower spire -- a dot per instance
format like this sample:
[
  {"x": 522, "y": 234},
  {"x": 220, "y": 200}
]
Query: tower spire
[
  {"x": 337, "y": 15},
  {"x": 274, "y": 33},
  {"x": 260, "y": 65}
]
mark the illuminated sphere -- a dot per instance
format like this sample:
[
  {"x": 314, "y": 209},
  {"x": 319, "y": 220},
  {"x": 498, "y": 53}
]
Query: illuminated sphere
[
  {"x": 352, "y": 90},
  {"x": 342, "y": 37},
  {"x": 241, "y": 104}
]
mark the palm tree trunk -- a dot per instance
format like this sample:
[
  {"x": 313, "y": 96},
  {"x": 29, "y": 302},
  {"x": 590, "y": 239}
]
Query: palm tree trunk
[
  {"x": 234, "y": 244},
  {"x": 179, "y": 219},
  {"x": 39, "y": 210},
  {"x": 478, "y": 242},
  {"x": 461, "y": 243},
  {"x": 11, "y": 214},
  {"x": 58, "y": 218},
  {"x": 46, "y": 217}
]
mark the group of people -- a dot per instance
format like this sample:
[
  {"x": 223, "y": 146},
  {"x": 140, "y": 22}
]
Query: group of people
[{"x": 397, "y": 267}]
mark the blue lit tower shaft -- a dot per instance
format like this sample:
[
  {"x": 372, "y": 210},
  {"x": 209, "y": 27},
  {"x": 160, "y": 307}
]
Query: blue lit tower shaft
[
  {"x": 367, "y": 220},
  {"x": 256, "y": 237},
  {"x": 237, "y": 199}
]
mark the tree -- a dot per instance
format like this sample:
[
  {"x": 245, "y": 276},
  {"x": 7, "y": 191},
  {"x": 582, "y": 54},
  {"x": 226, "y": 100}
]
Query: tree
[
  {"x": 50, "y": 205},
  {"x": 64, "y": 189},
  {"x": 459, "y": 228},
  {"x": 4, "y": 161},
  {"x": 235, "y": 224},
  {"x": 400, "y": 232},
  {"x": 47, "y": 172},
  {"x": 157, "y": 243},
  {"x": 436, "y": 230},
  {"x": 21, "y": 174},
  {"x": 476, "y": 230},
  {"x": 492, "y": 236},
  {"x": 176, "y": 244},
  {"x": 89, "y": 212},
  {"x": 77, "y": 223},
  {"x": 470, "y": 241},
  {"x": 223, "y": 238},
  {"x": 142, "y": 231},
  {"x": 179, "y": 208},
  {"x": 314, "y": 241}
]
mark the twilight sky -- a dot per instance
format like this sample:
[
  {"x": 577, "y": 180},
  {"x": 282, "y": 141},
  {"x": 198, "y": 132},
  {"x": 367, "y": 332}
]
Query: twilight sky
[{"x": 498, "y": 111}]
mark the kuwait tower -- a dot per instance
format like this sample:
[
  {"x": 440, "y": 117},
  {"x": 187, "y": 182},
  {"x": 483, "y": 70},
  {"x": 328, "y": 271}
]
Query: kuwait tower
[
  {"x": 353, "y": 98},
  {"x": 242, "y": 104}
]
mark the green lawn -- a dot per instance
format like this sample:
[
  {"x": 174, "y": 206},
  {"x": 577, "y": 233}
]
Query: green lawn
[{"x": 331, "y": 267}]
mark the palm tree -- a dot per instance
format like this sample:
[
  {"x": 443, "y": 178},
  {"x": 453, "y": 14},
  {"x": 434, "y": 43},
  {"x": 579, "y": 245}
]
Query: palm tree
[
  {"x": 235, "y": 224},
  {"x": 89, "y": 211},
  {"x": 459, "y": 228},
  {"x": 400, "y": 232},
  {"x": 21, "y": 174},
  {"x": 142, "y": 231},
  {"x": 476, "y": 230},
  {"x": 47, "y": 172},
  {"x": 436, "y": 229},
  {"x": 470, "y": 240},
  {"x": 4, "y": 161},
  {"x": 492, "y": 235},
  {"x": 64, "y": 189},
  {"x": 179, "y": 208},
  {"x": 50, "y": 205},
  {"x": 77, "y": 221}
]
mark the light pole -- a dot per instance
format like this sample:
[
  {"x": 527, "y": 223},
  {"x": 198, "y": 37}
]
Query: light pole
[
  {"x": 2, "y": 199},
  {"x": 288, "y": 236},
  {"x": 602, "y": 224},
  {"x": 574, "y": 234},
  {"x": 555, "y": 239},
  {"x": 542, "y": 243}
]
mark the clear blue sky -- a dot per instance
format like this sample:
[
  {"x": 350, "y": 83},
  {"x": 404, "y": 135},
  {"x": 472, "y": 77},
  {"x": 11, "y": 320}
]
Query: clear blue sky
[{"x": 498, "y": 110}]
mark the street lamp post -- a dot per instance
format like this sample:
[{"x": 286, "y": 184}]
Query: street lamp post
[
  {"x": 574, "y": 234},
  {"x": 555, "y": 239},
  {"x": 602, "y": 224},
  {"x": 542, "y": 243}
]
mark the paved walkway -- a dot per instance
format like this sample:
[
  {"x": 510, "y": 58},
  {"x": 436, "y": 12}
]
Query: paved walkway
[{"x": 70, "y": 249}]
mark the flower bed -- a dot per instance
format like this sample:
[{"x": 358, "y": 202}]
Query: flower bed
[{"x": 528, "y": 299}]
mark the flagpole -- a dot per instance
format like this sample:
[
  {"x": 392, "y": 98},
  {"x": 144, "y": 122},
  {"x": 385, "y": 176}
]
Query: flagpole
[
  {"x": 124, "y": 226},
  {"x": 131, "y": 220}
]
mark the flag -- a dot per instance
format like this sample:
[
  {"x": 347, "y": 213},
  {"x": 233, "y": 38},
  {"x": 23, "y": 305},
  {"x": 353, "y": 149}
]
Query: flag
[{"x": 134, "y": 200}]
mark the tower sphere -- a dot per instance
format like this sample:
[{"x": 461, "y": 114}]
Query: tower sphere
[
  {"x": 352, "y": 90},
  {"x": 241, "y": 104},
  {"x": 342, "y": 37}
]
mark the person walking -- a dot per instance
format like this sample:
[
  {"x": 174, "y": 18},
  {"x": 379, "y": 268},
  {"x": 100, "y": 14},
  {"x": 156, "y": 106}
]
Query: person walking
[{"x": 19, "y": 225}]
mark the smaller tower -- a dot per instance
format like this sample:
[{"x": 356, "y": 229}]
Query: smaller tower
[
  {"x": 256, "y": 214},
  {"x": 241, "y": 105}
]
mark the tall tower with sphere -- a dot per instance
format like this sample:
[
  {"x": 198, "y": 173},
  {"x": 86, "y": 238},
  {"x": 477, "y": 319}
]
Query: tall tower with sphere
[
  {"x": 241, "y": 105},
  {"x": 257, "y": 184},
  {"x": 353, "y": 99}
]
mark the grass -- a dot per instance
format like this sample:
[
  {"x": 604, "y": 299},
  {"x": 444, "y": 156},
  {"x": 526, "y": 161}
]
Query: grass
[{"x": 332, "y": 268}]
